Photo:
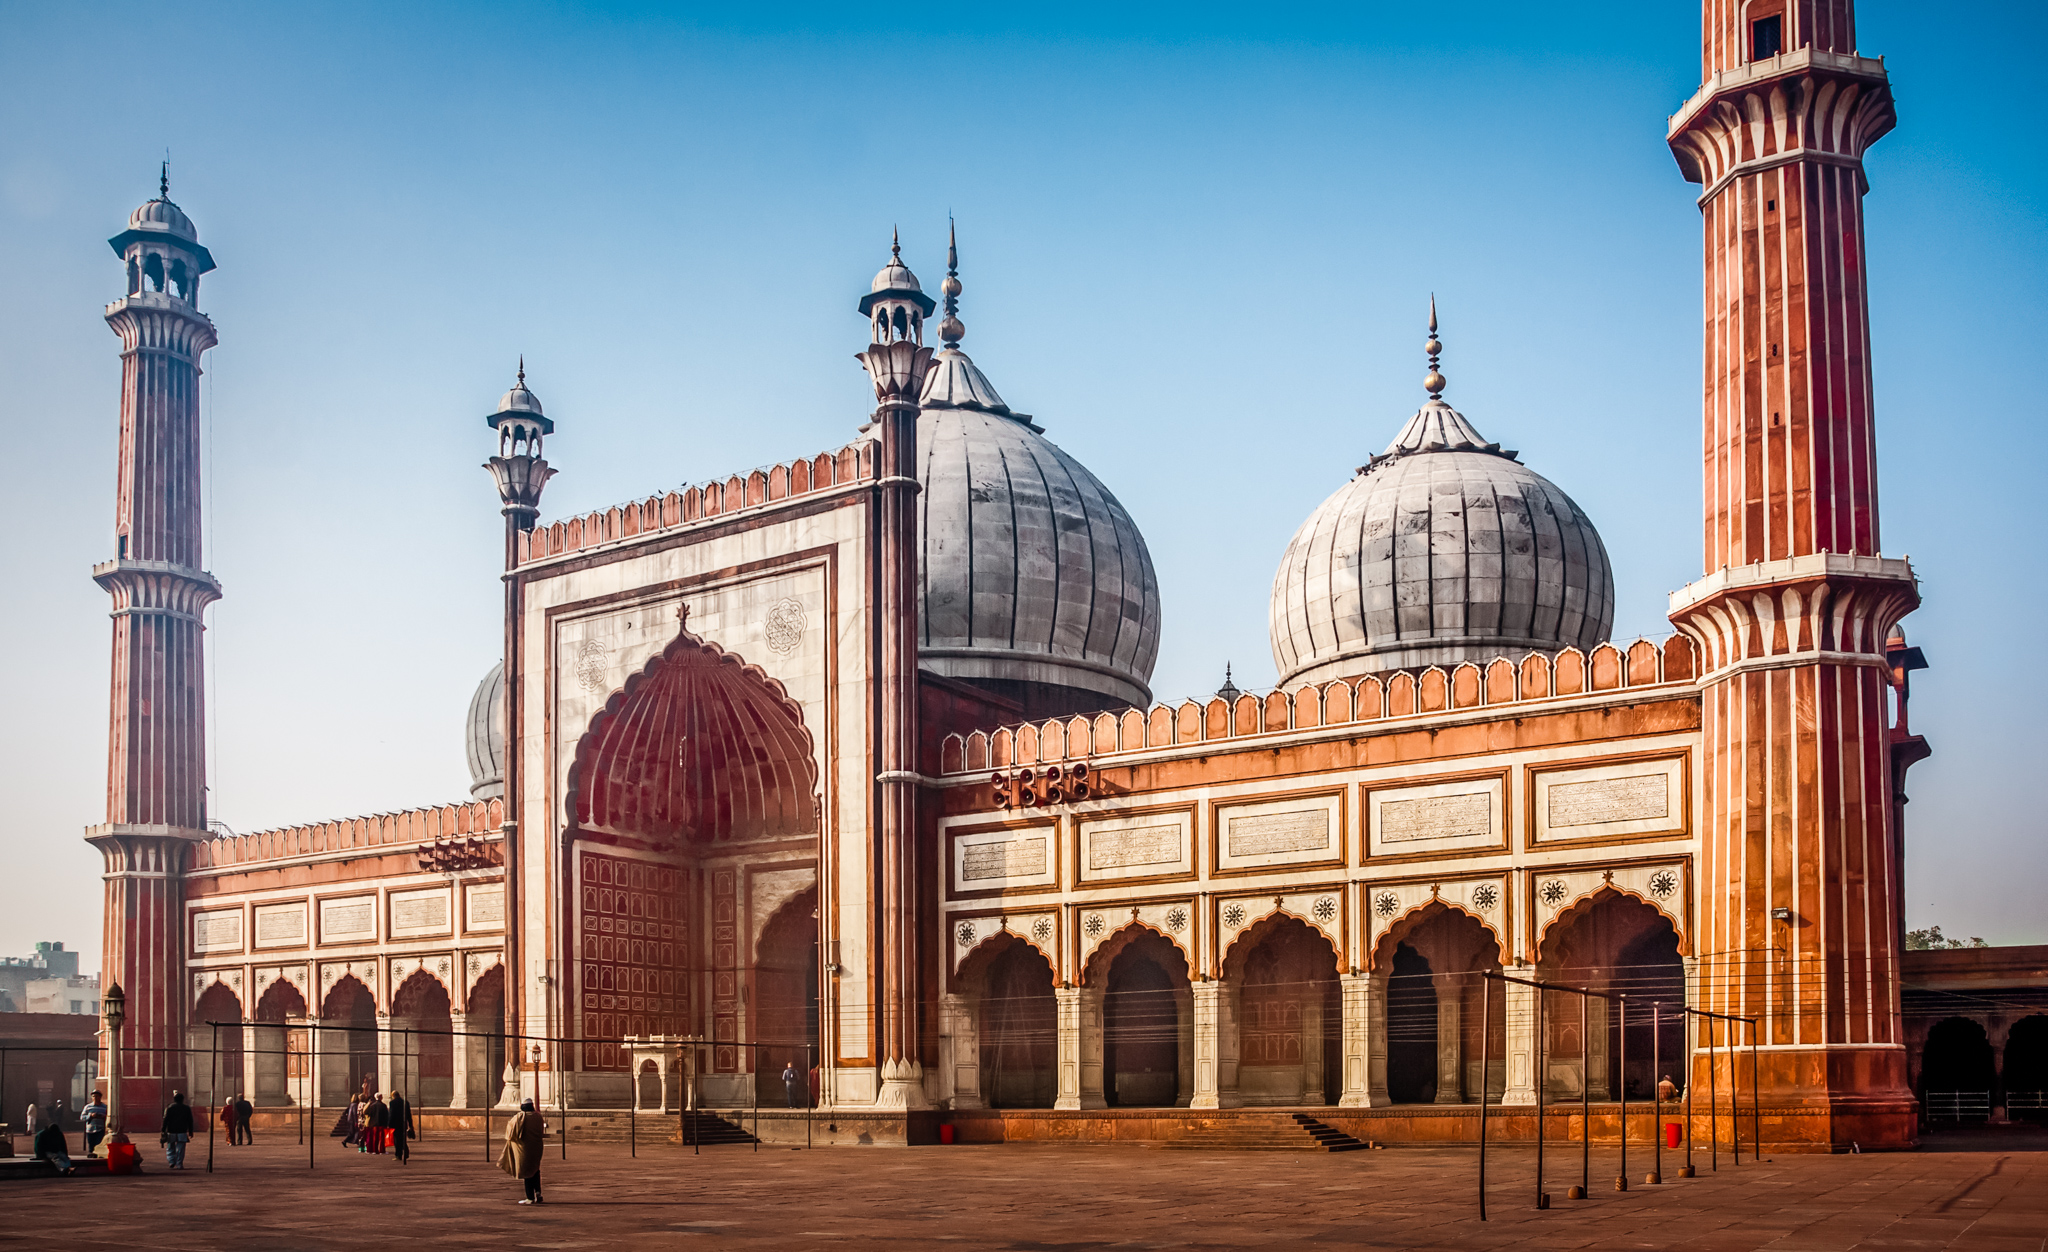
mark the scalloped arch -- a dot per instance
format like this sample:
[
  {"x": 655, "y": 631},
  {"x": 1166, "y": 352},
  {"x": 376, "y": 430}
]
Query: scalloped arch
[
  {"x": 699, "y": 744},
  {"x": 1585, "y": 904},
  {"x": 1122, "y": 937},
  {"x": 986, "y": 950},
  {"x": 1265, "y": 926},
  {"x": 1411, "y": 919}
]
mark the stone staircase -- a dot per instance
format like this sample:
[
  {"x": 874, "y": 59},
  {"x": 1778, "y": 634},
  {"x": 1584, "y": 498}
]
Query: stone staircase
[
  {"x": 1265, "y": 1132},
  {"x": 706, "y": 1128}
]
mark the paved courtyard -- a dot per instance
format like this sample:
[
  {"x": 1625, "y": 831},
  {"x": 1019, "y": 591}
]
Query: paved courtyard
[{"x": 1033, "y": 1197}]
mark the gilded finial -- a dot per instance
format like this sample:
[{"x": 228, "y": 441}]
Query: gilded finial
[
  {"x": 951, "y": 330},
  {"x": 1433, "y": 382}
]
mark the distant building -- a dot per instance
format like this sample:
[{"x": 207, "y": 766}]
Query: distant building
[{"x": 33, "y": 984}]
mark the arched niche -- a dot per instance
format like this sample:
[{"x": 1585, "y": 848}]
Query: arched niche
[
  {"x": 220, "y": 1067},
  {"x": 424, "y": 1061},
  {"x": 784, "y": 1001},
  {"x": 698, "y": 748},
  {"x": 281, "y": 1063},
  {"x": 1429, "y": 967},
  {"x": 1147, "y": 1018},
  {"x": 1288, "y": 1012},
  {"x": 1619, "y": 944},
  {"x": 347, "y": 1041},
  {"x": 1017, "y": 1020}
]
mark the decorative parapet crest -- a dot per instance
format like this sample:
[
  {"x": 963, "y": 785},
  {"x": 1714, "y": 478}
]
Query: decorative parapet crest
[
  {"x": 1433, "y": 692},
  {"x": 851, "y": 464},
  {"x": 477, "y": 821}
]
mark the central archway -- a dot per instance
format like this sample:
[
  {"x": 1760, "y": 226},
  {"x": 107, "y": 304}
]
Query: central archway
[
  {"x": 348, "y": 1047},
  {"x": 425, "y": 1069},
  {"x": 1146, "y": 1010},
  {"x": 785, "y": 998},
  {"x": 1285, "y": 972}
]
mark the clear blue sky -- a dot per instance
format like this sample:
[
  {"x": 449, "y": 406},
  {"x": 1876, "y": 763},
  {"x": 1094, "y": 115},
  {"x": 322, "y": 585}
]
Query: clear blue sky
[{"x": 1197, "y": 243}]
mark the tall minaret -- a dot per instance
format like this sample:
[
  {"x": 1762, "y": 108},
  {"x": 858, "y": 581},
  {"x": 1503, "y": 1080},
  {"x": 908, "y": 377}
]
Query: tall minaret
[
  {"x": 1799, "y": 892},
  {"x": 896, "y": 360},
  {"x": 156, "y": 755}
]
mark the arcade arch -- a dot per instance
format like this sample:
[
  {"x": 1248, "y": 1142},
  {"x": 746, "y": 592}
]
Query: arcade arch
[
  {"x": 1005, "y": 1005},
  {"x": 348, "y": 1042},
  {"x": 280, "y": 1058},
  {"x": 784, "y": 1002},
  {"x": 484, "y": 1068},
  {"x": 1428, "y": 973},
  {"x": 219, "y": 1074},
  {"x": 1285, "y": 972},
  {"x": 423, "y": 1066},
  {"x": 1147, "y": 1021},
  {"x": 1615, "y": 943}
]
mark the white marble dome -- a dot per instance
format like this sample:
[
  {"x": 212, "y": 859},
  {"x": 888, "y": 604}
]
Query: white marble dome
[
  {"x": 1443, "y": 549},
  {"x": 1036, "y": 583},
  {"x": 161, "y": 215},
  {"x": 483, "y": 737}
]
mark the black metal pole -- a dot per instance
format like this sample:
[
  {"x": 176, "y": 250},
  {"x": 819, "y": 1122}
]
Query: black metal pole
[
  {"x": 1585, "y": 1099},
  {"x": 1657, "y": 1089},
  {"x": 757, "y": 1097},
  {"x": 1687, "y": 1171},
  {"x": 312, "y": 1087},
  {"x": 1756, "y": 1110},
  {"x": 211, "y": 1093},
  {"x": 1713, "y": 1102},
  {"x": 1542, "y": 1197},
  {"x": 1621, "y": 1076},
  {"x": 1734, "y": 1097},
  {"x": 1485, "y": 1064},
  {"x": 633, "y": 1114}
]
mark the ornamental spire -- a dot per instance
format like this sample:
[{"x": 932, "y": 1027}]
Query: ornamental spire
[
  {"x": 163, "y": 180},
  {"x": 1433, "y": 382},
  {"x": 951, "y": 330}
]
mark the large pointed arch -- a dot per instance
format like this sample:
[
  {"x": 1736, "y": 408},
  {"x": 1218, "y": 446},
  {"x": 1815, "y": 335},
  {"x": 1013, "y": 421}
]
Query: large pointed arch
[{"x": 699, "y": 745}]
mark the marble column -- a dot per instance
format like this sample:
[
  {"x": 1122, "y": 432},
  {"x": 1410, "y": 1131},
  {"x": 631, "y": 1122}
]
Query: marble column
[
  {"x": 1184, "y": 1050},
  {"x": 1312, "y": 1046},
  {"x": 960, "y": 1050},
  {"x": 1215, "y": 1004},
  {"x": 1080, "y": 1048},
  {"x": 1363, "y": 1024},
  {"x": 459, "y": 1096},
  {"x": 1520, "y": 1048},
  {"x": 1450, "y": 1038},
  {"x": 1597, "y": 1014},
  {"x": 388, "y": 1059}
]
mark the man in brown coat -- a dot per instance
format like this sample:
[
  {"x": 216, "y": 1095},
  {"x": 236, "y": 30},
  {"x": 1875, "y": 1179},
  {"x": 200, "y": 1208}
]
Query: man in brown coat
[{"x": 523, "y": 1143}]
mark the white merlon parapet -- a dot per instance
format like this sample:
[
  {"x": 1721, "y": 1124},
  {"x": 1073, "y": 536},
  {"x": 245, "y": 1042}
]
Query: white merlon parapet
[
  {"x": 1819, "y": 565},
  {"x": 1798, "y": 60}
]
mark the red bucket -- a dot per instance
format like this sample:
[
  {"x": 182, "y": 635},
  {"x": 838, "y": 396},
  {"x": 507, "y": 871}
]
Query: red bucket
[
  {"x": 946, "y": 1133},
  {"x": 1674, "y": 1133},
  {"x": 123, "y": 1158}
]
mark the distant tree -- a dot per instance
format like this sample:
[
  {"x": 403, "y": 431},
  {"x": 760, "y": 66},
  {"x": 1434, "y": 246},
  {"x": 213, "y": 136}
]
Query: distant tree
[{"x": 1931, "y": 938}]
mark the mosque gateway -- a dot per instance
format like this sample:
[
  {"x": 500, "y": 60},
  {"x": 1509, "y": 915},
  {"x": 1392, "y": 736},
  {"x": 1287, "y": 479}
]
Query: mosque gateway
[{"x": 854, "y": 762}]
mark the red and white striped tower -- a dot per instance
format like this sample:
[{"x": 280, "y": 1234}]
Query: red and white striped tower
[
  {"x": 1799, "y": 893},
  {"x": 156, "y": 756}
]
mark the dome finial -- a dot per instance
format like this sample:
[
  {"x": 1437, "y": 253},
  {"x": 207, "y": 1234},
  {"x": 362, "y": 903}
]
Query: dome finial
[
  {"x": 1229, "y": 690},
  {"x": 895, "y": 244},
  {"x": 163, "y": 179},
  {"x": 1433, "y": 382},
  {"x": 951, "y": 330},
  {"x": 522, "y": 369}
]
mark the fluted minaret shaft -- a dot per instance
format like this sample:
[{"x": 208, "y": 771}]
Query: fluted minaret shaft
[
  {"x": 156, "y": 751},
  {"x": 1800, "y": 890}
]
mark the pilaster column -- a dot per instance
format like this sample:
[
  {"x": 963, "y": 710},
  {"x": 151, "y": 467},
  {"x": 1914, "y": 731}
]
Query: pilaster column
[
  {"x": 388, "y": 1060},
  {"x": 1080, "y": 1048},
  {"x": 1215, "y": 1003},
  {"x": 1595, "y": 1055},
  {"x": 960, "y": 1044},
  {"x": 1521, "y": 1044},
  {"x": 1184, "y": 1051},
  {"x": 1450, "y": 1039},
  {"x": 250, "y": 1081},
  {"x": 1312, "y": 1048}
]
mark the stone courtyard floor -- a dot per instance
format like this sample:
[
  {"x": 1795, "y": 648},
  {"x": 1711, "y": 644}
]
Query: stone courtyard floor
[{"x": 1034, "y": 1197}]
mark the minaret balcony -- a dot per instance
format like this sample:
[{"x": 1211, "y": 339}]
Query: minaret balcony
[
  {"x": 163, "y": 587},
  {"x": 1825, "y": 608},
  {"x": 1803, "y": 104}
]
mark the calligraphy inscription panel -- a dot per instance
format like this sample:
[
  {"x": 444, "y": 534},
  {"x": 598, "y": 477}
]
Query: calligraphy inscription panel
[
  {"x": 486, "y": 907},
  {"x": 281, "y": 924},
  {"x": 1437, "y": 817},
  {"x": 1302, "y": 830},
  {"x": 212, "y": 932},
  {"x": 1009, "y": 858},
  {"x": 418, "y": 912},
  {"x": 1145, "y": 845},
  {"x": 1632, "y": 798},
  {"x": 347, "y": 919}
]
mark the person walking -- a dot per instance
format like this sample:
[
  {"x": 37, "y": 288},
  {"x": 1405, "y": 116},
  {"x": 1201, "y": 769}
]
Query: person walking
[
  {"x": 33, "y": 1119},
  {"x": 177, "y": 1131},
  {"x": 243, "y": 1111},
  {"x": 524, "y": 1139},
  {"x": 227, "y": 1119},
  {"x": 793, "y": 1084},
  {"x": 95, "y": 1115},
  {"x": 401, "y": 1127},
  {"x": 379, "y": 1118}
]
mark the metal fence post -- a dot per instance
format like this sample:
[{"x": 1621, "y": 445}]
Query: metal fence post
[
  {"x": 1542, "y": 1196},
  {"x": 211, "y": 1095},
  {"x": 1621, "y": 1002},
  {"x": 1657, "y": 1090},
  {"x": 1756, "y": 1111},
  {"x": 1585, "y": 1100},
  {"x": 1485, "y": 1067},
  {"x": 1713, "y": 1101}
]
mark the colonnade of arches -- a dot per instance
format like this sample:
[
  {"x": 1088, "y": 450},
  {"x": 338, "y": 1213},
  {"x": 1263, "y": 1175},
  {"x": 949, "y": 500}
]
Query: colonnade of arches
[
  {"x": 1284, "y": 1025},
  {"x": 1984, "y": 1063},
  {"x": 279, "y": 1059}
]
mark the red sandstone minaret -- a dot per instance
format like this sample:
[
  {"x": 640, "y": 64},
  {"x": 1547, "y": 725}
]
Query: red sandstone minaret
[
  {"x": 156, "y": 755},
  {"x": 1799, "y": 892}
]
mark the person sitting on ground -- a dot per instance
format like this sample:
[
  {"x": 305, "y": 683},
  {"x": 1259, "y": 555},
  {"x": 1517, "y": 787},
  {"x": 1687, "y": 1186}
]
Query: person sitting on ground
[
  {"x": 1666, "y": 1089},
  {"x": 51, "y": 1146},
  {"x": 524, "y": 1137}
]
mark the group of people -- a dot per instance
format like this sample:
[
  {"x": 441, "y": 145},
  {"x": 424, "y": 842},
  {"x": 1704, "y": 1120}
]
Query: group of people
[
  {"x": 45, "y": 1126},
  {"x": 234, "y": 1118},
  {"x": 372, "y": 1124}
]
